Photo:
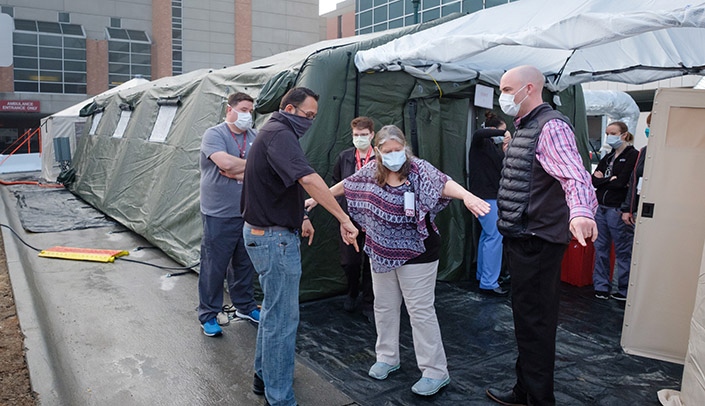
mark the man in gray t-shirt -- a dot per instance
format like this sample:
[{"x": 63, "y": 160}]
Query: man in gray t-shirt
[{"x": 224, "y": 150}]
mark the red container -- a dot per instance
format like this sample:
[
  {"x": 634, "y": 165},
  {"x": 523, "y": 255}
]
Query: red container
[{"x": 579, "y": 262}]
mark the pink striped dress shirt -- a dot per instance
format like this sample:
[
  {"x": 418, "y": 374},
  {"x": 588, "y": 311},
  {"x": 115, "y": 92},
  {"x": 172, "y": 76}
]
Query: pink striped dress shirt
[{"x": 558, "y": 154}]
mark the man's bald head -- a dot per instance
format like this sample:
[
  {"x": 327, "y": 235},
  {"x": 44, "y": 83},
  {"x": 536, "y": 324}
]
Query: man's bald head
[{"x": 526, "y": 82}]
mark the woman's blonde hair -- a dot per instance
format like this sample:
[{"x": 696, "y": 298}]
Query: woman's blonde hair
[{"x": 386, "y": 133}]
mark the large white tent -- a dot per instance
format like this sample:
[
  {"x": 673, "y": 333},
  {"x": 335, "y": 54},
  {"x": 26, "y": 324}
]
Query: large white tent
[
  {"x": 574, "y": 42},
  {"x": 68, "y": 123},
  {"x": 571, "y": 41}
]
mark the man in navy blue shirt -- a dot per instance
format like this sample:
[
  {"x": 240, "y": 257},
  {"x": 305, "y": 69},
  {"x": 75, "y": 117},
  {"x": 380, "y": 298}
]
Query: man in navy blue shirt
[{"x": 276, "y": 175}]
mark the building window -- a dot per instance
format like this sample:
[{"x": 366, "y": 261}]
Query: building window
[
  {"x": 129, "y": 55},
  {"x": 115, "y": 22},
  {"x": 49, "y": 57},
  {"x": 379, "y": 15},
  {"x": 9, "y": 10},
  {"x": 64, "y": 17},
  {"x": 177, "y": 62}
]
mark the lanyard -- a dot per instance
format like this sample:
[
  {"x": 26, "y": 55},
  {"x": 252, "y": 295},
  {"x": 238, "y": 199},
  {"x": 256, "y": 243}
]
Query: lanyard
[
  {"x": 243, "y": 147},
  {"x": 358, "y": 163}
]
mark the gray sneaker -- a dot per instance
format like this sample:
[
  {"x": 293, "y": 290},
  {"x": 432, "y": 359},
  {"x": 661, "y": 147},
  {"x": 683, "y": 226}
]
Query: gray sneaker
[
  {"x": 428, "y": 386},
  {"x": 381, "y": 370},
  {"x": 222, "y": 319}
]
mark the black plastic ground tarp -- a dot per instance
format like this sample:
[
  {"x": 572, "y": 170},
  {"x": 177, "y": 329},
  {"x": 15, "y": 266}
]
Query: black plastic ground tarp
[
  {"x": 50, "y": 210},
  {"x": 478, "y": 335}
]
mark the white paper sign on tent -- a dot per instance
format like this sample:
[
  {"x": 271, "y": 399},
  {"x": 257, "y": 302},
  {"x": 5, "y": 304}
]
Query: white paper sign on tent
[{"x": 484, "y": 96}]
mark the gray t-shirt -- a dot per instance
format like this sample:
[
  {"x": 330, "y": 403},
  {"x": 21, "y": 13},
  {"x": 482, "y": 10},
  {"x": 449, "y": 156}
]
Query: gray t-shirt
[{"x": 220, "y": 195}]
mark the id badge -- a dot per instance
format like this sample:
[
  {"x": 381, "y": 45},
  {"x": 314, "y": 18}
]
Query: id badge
[{"x": 409, "y": 208}]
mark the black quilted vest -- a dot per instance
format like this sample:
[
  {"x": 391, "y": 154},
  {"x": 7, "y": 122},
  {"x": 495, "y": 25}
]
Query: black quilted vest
[{"x": 531, "y": 202}]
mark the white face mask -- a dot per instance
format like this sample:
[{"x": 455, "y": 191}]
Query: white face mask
[
  {"x": 394, "y": 160},
  {"x": 506, "y": 103},
  {"x": 361, "y": 142},
  {"x": 244, "y": 121}
]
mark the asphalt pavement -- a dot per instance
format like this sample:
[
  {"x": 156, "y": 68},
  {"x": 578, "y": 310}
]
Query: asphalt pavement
[{"x": 123, "y": 333}]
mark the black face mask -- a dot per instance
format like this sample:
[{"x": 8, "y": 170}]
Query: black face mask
[{"x": 298, "y": 123}]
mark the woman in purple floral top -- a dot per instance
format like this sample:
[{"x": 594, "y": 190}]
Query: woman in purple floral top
[{"x": 395, "y": 199}]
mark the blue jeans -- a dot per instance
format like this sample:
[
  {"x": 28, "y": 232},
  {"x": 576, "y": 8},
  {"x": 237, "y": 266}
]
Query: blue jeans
[
  {"x": 277, "y": 259},
  {"x": 611, "y": 228},
  {"x": 489, "y": 249}
]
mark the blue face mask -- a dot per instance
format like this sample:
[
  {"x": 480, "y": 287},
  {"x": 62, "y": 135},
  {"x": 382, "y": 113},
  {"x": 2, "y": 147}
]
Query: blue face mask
[
  {"x": 299, "y": 124},
  {"x": 614, "y": 141},
  {"x": 646, "y": 132},
  {"x": 394, "y": 160}
]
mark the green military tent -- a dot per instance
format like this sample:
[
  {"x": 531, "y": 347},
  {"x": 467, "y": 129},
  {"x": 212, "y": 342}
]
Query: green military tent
[{"x": 138, "y": 159}]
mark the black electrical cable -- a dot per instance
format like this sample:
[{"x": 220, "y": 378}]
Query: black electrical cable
[
  {"x": 20, "y": 238},
  {"x": 185, "y": 269}
]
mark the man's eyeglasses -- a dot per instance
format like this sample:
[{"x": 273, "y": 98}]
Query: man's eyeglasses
[{"x": 309, "y": 114}]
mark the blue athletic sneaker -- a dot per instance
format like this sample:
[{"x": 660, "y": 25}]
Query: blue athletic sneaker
[
  {"x": 211, "y": 328},
  {"x": 251, "y": 316}
]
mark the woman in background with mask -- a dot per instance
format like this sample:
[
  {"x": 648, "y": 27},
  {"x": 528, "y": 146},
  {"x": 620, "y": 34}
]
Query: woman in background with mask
[
  {"x": 395, "y": 198},
  {"x": 485, "y": 160},
  {"x": 356, "y": 265},
  {"x": 631, "y": 204},
  {"x": 610, "y": 179}
]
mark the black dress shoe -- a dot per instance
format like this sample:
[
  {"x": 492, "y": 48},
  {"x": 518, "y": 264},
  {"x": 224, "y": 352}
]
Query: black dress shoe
[
  {"x": 498, "y": 291},
  {"x": 258, "y": 385},
  {"x": 508, "y": 398}
]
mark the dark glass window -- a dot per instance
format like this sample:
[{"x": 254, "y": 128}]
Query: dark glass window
[
  {"x": 76, "y": 43},
  {"x": 396, "y": 9},
  {"x": 399, "y": 22},
  {"x": 24, "y": 38},
  {"x": 26, "y": 86},
  {"x": 50, "y": 40},
  {"x": 431, "y": 15},
  {"x": 141, "y": 59},
  {"x": 48, "y": 27},
  {"x": 21, "y": 74},
  {"x": 450, "y": 9},
  {"x": 364, "y": 5},
  {"x": 492, "y": 3},
  {"x": 430, "y": 3},
  {"x": 72, "y": 29},
  {"x": 74, "y": 77},
  {"x": 75, "y": 54},
  {"x": 141, "y": 48},
  {"x": 75, "y": 66},
  {"x": 380, "y": 14},
  {"x": 471, "y": 6},
  {"x": 50, "y": 64},
  {"x": 138, "y": 35},
  {"x": 75, "y": 88},
  {"x": 22, "y": 50},
  {"x": 47, "y": 87},
  {"x": 25, "y": 63},
  {"x": 46, "y": 52},
  {"x": 25, "y": 25},
  {"x": 118, "y": 46},
  {"x": 366, "y": 18},
  {"x": 116, "y": 33}
]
